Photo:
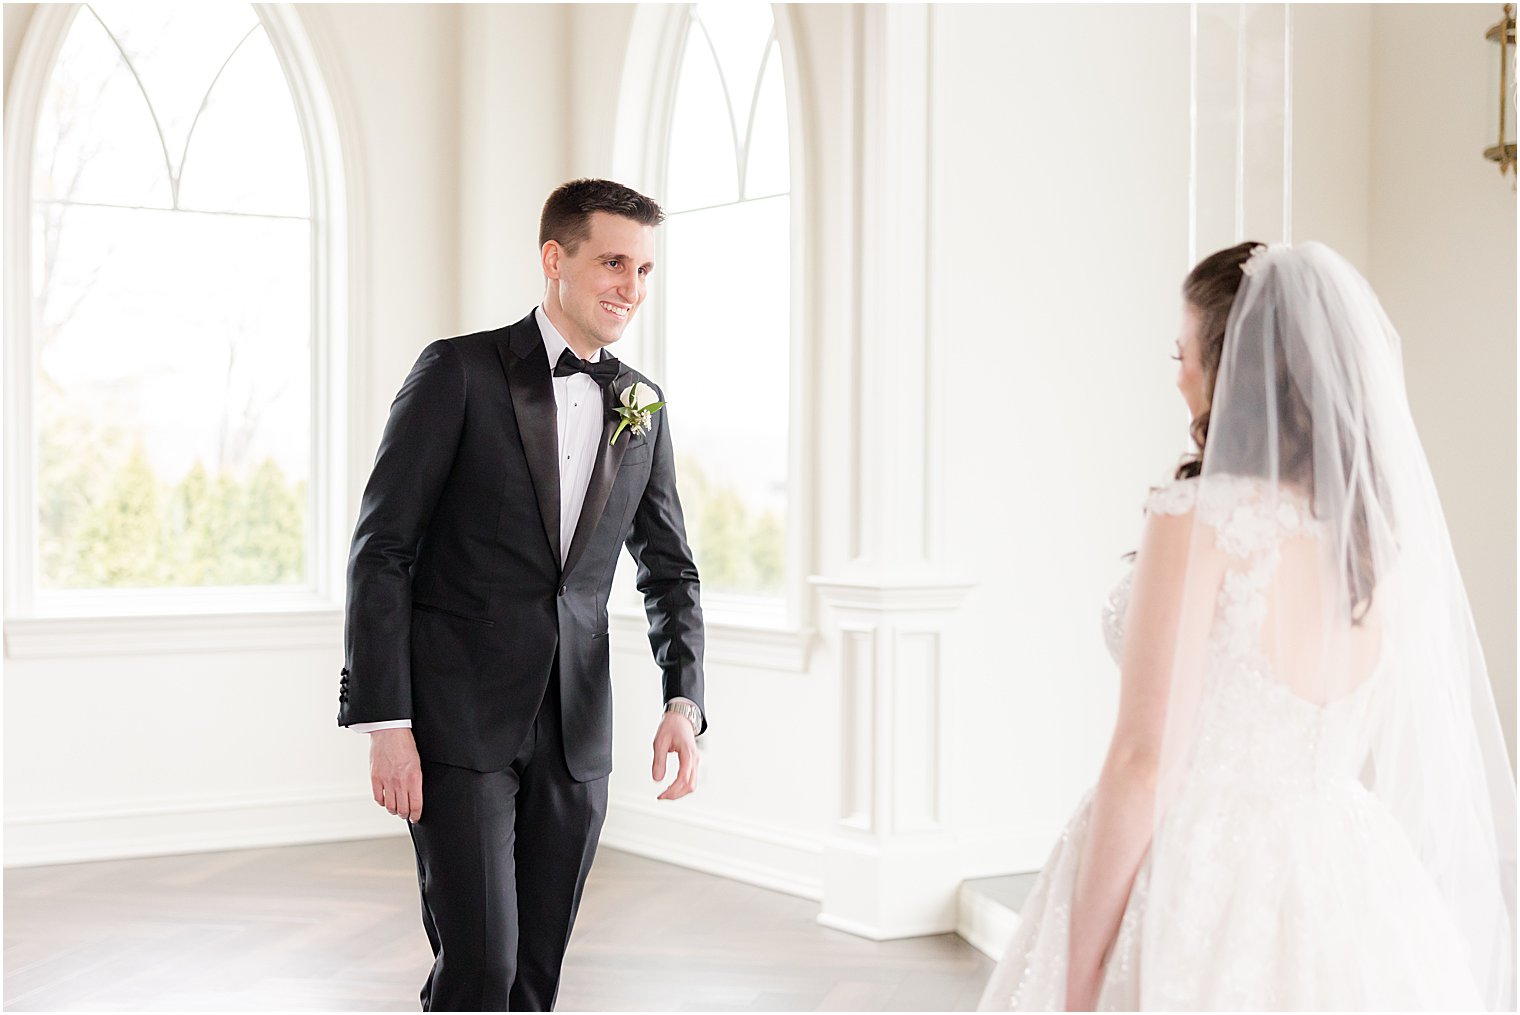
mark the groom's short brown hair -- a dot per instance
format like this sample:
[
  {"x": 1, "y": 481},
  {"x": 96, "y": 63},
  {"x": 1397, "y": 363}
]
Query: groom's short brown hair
[{"x": 567, "y": 213}]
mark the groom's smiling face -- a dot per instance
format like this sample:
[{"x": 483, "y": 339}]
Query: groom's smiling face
[{"x": 597, "y": 286}]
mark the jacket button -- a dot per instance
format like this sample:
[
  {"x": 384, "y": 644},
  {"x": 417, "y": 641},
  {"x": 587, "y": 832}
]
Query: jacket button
[{"x": 563, "y": 589}]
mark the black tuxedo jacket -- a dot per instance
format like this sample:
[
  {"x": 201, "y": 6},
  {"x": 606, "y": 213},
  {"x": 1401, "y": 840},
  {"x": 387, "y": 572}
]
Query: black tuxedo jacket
[{"x": 457, "y": 603}]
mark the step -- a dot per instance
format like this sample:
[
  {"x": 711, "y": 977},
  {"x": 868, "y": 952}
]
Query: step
[{"x": 989, "y": 911}]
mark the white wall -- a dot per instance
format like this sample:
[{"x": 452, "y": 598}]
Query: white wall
[
  {"x": 1060, "y": 238},
  {"x": 1442, "y": 258},
  {"x": 1332, "y": 127},
  {"x": 601, "y": 34},
  {"x": 515, "y": 130}
]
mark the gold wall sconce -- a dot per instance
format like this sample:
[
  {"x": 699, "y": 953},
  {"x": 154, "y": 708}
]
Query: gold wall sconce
[{"x": 1503, "y": 33}]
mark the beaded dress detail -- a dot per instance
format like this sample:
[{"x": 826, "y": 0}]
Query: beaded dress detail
[{"x": 1287, "y": 885}]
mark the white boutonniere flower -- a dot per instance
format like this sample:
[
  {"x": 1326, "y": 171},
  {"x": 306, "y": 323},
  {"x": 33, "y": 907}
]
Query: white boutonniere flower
[{"x": 636, "y": 409}]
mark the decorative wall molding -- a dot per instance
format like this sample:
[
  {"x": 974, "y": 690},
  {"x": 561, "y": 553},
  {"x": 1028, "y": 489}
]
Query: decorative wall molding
[
  {"x": 66, "y": 637},
  {"x": 894, "y": 595},
  {"x": 893, "y": 515},
  {"x": 154, "y": 827},
  {"x": 759, "y": 648},
  {"x": 891, "y": 867},
  {"x": 755, "y": 853}
]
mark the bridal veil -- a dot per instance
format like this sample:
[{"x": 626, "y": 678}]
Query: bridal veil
[{"x": 1321, "y": 568}]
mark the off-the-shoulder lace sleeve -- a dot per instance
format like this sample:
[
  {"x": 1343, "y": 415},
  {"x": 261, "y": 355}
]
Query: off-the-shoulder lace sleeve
[{"x": 1175, "y": 498}]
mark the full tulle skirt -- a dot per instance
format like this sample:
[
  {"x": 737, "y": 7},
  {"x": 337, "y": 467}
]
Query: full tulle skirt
[{"x": 1298, "y": 897}]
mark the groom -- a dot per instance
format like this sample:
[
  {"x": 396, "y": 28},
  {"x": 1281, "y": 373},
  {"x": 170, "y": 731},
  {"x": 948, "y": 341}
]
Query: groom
[{"x": 476, "y": 628}]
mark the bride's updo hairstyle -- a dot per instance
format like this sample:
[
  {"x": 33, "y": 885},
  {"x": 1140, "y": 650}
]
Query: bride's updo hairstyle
[{"x": 1210, "y": 290}]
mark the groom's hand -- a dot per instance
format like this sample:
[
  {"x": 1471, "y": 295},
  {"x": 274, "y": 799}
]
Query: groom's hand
[
  {"x": 395, "y": 772},
  {"x": 675, "y": 736}
]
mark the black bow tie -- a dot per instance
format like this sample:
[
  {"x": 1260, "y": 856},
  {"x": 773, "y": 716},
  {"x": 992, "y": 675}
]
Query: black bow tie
[{"x": 604, "y": 372}]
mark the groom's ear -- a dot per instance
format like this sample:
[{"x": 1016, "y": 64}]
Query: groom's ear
[{"x": 550, "y": 255}]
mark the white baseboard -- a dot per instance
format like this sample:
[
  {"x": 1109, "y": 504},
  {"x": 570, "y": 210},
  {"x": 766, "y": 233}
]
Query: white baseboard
[
  {"x": 191, "y": 825},
  {"x": 744, "y": 850},
  {"x": 738, "y": 848}
]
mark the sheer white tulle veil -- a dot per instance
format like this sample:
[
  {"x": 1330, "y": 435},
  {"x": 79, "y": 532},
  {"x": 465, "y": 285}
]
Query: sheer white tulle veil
[{"x": 1367, "y": 628}]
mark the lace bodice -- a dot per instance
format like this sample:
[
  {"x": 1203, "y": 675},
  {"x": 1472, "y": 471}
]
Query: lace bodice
[
  {"x": 1245, "y": 526},
  {"x": 1249, "y": 721}
]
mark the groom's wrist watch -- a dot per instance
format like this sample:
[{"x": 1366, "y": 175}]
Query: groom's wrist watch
[{"x": 688, "y": 709}]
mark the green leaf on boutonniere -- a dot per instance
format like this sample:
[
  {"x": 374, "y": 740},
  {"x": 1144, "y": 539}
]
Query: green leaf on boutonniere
[{"x": 631, "y": 414}]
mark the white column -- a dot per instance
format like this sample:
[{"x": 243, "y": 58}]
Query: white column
[{"x": 890, "y": 864}]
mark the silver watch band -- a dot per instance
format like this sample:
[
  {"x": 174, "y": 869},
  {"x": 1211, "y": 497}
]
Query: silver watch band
[{"x": 688, "y": 709}]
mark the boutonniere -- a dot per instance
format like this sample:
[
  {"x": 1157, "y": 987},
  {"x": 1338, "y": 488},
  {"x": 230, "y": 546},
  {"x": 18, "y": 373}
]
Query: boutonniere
[{"x": 636, "y": 408}]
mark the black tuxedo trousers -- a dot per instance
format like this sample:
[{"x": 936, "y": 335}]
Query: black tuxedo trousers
[{"x": 501, "y": 860}]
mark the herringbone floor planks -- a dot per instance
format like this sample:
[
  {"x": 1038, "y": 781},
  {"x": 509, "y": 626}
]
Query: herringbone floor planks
[{"x": 335, "y": 927}]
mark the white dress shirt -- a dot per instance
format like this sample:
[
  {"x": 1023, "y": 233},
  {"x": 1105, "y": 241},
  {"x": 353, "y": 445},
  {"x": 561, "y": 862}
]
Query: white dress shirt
[
  {"x": 578, "y": 404},
  {"x": 580, "y": 409}
]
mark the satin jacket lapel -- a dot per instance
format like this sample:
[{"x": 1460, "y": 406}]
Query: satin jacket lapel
[
  {"x": 603, "y": 474},
  {"x": 528, "y": 377}
]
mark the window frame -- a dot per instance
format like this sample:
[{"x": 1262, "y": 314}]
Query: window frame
[
  {"x": 31, "y": 613},
  {"x": 641, "y": 148}
]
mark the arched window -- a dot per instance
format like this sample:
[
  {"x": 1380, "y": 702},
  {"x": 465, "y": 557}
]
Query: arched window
[
  {"x": 725, "y": 301},
  {"x": 175, "y": 397}
]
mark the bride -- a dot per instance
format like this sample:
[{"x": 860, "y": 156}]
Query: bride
[{"x": 1307, "y": 802}]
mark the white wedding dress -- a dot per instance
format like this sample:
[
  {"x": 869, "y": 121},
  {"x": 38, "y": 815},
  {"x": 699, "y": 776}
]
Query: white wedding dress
[{"x": 1274, "y": 879}]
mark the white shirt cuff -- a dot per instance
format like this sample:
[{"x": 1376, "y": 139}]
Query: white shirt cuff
[{"x": 389, "y": 724}]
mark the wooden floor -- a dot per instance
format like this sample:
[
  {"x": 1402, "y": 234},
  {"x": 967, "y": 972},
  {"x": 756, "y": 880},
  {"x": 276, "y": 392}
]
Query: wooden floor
[{"x": 336, "y": 927}]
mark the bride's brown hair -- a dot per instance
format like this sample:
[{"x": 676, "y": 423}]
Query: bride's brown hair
[{"x": 1210, "y": 289}]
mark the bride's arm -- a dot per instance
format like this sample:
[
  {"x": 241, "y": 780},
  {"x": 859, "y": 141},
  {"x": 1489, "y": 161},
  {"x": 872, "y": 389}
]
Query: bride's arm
[{"x": 1123, "y": 802}]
